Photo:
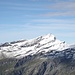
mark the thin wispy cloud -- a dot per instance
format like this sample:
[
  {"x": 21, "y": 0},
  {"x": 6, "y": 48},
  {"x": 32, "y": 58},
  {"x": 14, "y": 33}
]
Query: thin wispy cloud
[
  {"x": 62, "y": 5},
  {"x": 54, "y": 21},
  {"x": 12, "y": 4},
  {"x": 61, "y": 9},
  {"x": 21, "y": 6},
  {"x": 63, "y": 13}
]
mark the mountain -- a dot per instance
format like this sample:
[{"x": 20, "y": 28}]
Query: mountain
[
  {"x": 21, "y": 48},
  {"x": 44, "y": 55}
]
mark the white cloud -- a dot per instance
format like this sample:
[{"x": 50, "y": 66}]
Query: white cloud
[
  {"x": 63, "y": 13},
  {"x": 54, "y": 21},
  {"x": 62, "y": 5},
  {"x": 52, "y": 27},
  {"x": 61, "y": 9}
]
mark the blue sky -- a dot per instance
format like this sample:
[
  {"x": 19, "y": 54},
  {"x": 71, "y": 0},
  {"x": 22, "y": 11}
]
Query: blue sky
[{"x": 27, "y": 19}]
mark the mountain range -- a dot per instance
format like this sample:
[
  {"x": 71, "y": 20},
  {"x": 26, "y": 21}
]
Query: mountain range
[{"x": 44, "y": 55}]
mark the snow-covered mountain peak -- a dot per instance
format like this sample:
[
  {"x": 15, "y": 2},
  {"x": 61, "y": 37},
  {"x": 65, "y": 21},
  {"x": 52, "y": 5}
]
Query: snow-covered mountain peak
[
  {"x": 48, "y": 36},
  {"x": 23, "y": 48}
]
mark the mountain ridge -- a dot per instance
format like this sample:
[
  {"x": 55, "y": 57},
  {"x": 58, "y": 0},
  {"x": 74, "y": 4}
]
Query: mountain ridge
[
  {"x": 44, "y": 55},
  {"x": 21, "y": 48}
]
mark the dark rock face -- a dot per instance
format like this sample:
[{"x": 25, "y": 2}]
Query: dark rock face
[
  {"x": 51, "y": 63},
  {"x": 5, "y": 44},
  {"x": 17, "y": 41}
]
